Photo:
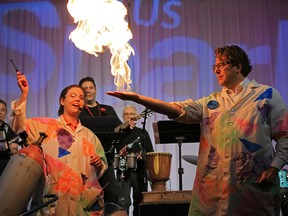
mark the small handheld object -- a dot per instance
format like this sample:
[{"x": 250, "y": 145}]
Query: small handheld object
[
  {"x": 14, "y": 65},
  {"x": 17, "y": 70}
]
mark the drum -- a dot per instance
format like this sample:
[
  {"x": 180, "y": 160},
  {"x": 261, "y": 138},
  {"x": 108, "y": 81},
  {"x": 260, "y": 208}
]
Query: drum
[
  {"x": 158, "y": 165},
  {"x": 131, "y": 161},
  {"x": 116, "y": 161}
]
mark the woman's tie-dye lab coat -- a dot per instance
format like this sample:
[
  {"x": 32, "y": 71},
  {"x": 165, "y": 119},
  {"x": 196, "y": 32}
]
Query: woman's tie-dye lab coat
[{"x": 67, "y": 155}]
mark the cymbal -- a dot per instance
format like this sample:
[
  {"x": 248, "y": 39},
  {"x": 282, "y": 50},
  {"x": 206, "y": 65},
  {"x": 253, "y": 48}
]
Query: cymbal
[{"x": 190, "y": 159}]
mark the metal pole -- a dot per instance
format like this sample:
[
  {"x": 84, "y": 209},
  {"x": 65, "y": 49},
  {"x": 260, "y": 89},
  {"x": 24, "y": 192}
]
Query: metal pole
[{"x": 180, "y": 169}]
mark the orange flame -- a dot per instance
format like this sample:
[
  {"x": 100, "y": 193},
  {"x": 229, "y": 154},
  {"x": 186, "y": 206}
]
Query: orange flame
[{"x": 101, "y": 23}]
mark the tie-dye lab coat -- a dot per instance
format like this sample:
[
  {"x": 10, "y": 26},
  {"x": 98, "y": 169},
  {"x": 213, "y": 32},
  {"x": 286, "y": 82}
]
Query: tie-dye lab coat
[
  {"x": 67, "y": 155},
  {"x": 235, "y": 147}
]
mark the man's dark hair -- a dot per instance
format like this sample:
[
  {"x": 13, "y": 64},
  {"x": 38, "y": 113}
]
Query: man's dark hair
[
  {"x": 3, "y": 102},
  {"x": 236, "y": 56},
  {"x": 63, "y": 95},
  {"x": 85, "y": 79}
]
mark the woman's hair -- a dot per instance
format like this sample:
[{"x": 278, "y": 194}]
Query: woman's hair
[
  {"x": 236, "y": 56},
  {"x": 63, "y": 95}
]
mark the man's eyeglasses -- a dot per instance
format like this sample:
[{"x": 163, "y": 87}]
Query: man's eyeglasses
[{"x": 220, "y": 65}]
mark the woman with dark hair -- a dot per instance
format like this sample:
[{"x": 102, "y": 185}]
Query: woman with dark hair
[
  {"x": 63, "y": 95},
  {"x": 73, "y": 154}
]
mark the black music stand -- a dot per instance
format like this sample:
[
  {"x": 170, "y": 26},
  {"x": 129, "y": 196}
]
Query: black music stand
[
  {"x": 172, "y": 132},
  {"x": 99, "y": 123},
  {"x": 109, "y": 142},
  {"x": 103, "y": 127}
]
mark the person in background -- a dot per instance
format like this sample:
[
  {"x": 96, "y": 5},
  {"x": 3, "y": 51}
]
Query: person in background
[
  {"x": 237, "y": 169},
  {"x": 6, "y": 133},
  {"x": 92, "y": 109},
  {"x": 74, "y": 156},
  {"x": 3, "y": 110},
  {"x": 136, "y": 143}
]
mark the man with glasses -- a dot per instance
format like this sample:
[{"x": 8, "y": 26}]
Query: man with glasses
[
  {"x": 237, "y": 169},
  {"x": 136, "y": 143}
]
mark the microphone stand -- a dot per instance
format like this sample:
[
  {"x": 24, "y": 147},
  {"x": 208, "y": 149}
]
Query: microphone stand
[{"x": 143, "y": 145}]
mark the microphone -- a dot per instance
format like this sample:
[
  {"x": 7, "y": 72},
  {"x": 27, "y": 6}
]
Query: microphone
[
  {"x": 130, "y": 145},
  {"x": 80, "y": 109}
]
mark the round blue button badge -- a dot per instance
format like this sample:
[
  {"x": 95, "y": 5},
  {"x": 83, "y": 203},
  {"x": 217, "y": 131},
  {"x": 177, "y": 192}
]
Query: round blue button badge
[{"x": 212, "y": 104}]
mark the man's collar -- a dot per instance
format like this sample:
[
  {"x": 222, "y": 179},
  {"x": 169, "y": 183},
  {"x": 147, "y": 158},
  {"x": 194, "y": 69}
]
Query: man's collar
[{"x": 242, "y": 85}]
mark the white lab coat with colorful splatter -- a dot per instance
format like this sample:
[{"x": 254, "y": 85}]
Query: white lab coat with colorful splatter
[
  {"x": 67, "y": 155},
  {"x": 235, "y": 147}
]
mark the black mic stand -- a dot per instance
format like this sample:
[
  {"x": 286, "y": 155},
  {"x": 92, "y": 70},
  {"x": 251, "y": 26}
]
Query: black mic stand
[
  {"x": 143, "y": 145},
  {"x": 180, "y": 140}
]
